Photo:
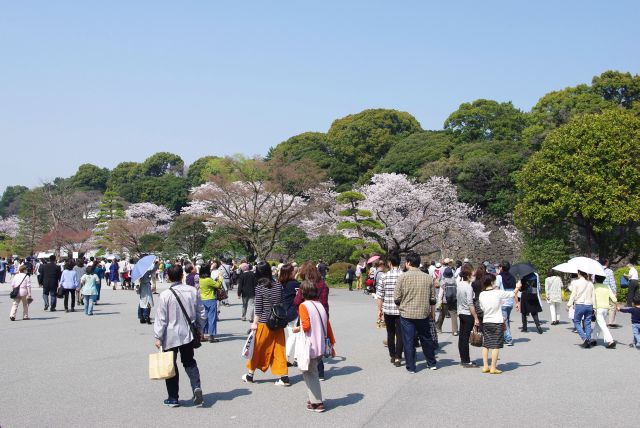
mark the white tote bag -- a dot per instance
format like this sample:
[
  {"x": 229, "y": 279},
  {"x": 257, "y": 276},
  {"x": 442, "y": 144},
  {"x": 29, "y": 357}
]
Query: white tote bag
[
  {"x": 247, "y": 349},
  {"x": 303, "y": 351},
  {"x": 291, "y": 339}
]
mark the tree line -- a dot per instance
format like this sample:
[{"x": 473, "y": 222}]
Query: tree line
[{"x": 565, "y": 173}]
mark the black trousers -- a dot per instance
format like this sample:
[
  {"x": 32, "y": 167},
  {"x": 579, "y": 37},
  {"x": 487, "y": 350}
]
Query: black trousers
[
  {"x": 394, "y": 335},
  {"x": 466, "y": 325},
  {"x": 633, "y": 287},
  {"x": 350, "y": 282},
  {"x": 190, "y": 367},
  {"x": 68, "y": 292},
  {"x": 535, "y": 320}
]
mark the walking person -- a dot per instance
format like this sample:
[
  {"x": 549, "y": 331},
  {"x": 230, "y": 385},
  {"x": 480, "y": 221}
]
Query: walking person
[
  {"x": 610, "y": 281},
  {"x": 269, "y": 345},
  {"x": 22, "y": 281},
  {"x": 466, "y": 315},
  {"x": 51, "y": 274},
  {"x": 553, "y": 293},
  {"x": 508, "y": 284},
  {"x": 361, "y": 268},
  {"x": 3, "y": 270},
  {"x": 69, "y": 282},
  {"x": 314, "y": 322},
  {"x": 99, "y": 271},
  {"x": 388, "y": 310},
  {"x": 490, "y": 301},
  {"x": 582, "y": 296},
  {"x": 415, "y": 296},
  {"x": 633, "y": 283},
  {"x": 146, "y": 296},
  {"x": 528, "y": 301},
  {"x": 290, "y": 286},
  {"x": 603, "y": 298},
  {"x": 114, "y": 276},
  {"x": 173, "y": 332},
  {"x": 449, "y": 288},
  {"x": 350, "y": 277},
  {"x": 208, "y": 289},
  {"x": 80, "y": 270},
  {"x": 635, "y": 320},
  {"x": 89, "y": 283},
  {"x": 247, "y": 291}
]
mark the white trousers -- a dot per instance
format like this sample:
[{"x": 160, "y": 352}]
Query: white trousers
[
  {"x": 554, "y": 308},
  {"x": 601, "y": 323}
]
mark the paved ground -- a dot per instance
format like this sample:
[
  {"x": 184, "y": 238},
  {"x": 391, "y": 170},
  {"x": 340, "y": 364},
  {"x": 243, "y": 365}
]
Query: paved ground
[{"x": 71, "y": 370}]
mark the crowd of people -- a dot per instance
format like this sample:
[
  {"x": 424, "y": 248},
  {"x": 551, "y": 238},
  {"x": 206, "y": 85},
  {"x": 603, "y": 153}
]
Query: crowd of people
[{"x": 282, "y": 302}]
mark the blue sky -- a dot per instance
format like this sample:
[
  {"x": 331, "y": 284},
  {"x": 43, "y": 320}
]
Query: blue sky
[{"x": 112, "y": 81}]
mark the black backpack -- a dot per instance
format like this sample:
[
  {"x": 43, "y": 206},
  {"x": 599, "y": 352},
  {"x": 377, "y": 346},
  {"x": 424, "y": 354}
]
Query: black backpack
[
  {"x": 277, "y": 317},
  {"x": 451, "y": 292}
]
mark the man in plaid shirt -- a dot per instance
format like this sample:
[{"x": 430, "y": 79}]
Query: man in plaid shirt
[
  {"x": 388, "y": 308},
  {"x": 416, "y": 297}
]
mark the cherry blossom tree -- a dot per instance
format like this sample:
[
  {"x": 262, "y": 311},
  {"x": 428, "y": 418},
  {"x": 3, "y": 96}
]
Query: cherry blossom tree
[
  {"x": 159, "y": 215},
  {"x": 9, "y": 226}
]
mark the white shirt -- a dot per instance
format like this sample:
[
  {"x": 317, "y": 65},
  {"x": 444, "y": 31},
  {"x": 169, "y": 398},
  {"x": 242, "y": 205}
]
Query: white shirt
[
  {"x": 633, "y": 273},
  {"x": 491, "y": 304}
]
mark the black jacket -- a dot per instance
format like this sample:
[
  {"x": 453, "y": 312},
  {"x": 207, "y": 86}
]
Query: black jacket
[
  {"x": 247, "y": 284},
  {"x": 290, "y": 288},
  {"x": 50, "y": 274}
]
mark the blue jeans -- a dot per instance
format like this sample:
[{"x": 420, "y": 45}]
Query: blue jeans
[
  {"x": 583, "y": 313},
  {"x": 211, "y": 311},
  {"x": 636, "y": 334},
  {"x": 506, "y": 314},
  {"x": 45, "y": 296},
  {"x": 88, "y": 304},
  {"x": 409, "y": 329}
]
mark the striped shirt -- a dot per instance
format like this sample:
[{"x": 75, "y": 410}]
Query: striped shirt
[
  {"x": 266, "y": 298},
  {"x": 385, "y": 290}
]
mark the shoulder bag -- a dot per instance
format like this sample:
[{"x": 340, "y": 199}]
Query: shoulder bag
[
  {"x": 192, "y": 324},
  {"x": 327, "y": 342},
  {"x": 15, "y": 291},
  {"x": 475, "y": 339}
]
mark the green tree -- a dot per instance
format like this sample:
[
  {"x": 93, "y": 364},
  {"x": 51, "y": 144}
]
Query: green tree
[
  {"x": 198, "y": 170},
  {"x": 111, "y": 207},
  {"x": 586, "y": 174},
  {"x": 162, "y": 163},
  {"x": 151, "y": 243},
  {"x": 359, "y": 141},
  {"x": 290, "y": 241},
  {"x": 187, "y": 236},
  {"x": 222, "y": 242},
  {"x": 411, "y": 153},
  {"x": 486, "y": 120},
  {"x": 34, "y": 221},
  {"x": 329, "y": 248},
  {"x": 122, "y": 178},
  {"x": 168, "y": 190},
  {"x": 10, "y": 201},
  {"x": 620, "y": 88},
  {"x": 545, "y": 252},
  {"x": 361, "y": 223},
  {"x": 91, "y": 177}
]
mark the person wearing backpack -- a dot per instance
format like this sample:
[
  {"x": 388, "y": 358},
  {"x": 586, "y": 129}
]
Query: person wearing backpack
[
  {"x": 449, "y": 301},
  {"x": 269, "y": 345}
]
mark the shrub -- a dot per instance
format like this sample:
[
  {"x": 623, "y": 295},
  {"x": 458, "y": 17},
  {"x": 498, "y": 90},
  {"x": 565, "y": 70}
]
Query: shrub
[
  {"x": 544, "y": 253},
  {"x": 337, "y": 272},
  {"x": 329, "y": 248}
]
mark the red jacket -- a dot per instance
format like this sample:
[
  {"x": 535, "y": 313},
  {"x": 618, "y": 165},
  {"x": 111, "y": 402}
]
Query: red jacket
[{"x": 323, "y": 298}]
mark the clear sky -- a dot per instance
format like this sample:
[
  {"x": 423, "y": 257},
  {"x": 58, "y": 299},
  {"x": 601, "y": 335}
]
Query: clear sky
[{"x": 118, "y": 80}]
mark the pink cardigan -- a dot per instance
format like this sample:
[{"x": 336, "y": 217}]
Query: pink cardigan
[{"x": 24, "y": 281}]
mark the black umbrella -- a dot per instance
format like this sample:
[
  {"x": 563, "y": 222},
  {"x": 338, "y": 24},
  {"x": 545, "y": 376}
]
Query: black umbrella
[{"x": 520, "y": 270}]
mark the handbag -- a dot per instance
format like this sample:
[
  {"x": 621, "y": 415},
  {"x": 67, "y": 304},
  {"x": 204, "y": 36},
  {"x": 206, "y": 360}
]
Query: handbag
[
  {"x": 221, "y": 294},
  {"x": 475, "y": 339},
  {"x": 277, "y": 317},
  {"x": 161, "y": 365},
  {"x": 192, "y": 324},
  {"x": 60, "y": 292},
  {"x": 328, "y": 347},
  {"x": 15, "y": 291},
  {"x": 247, "y": 349}
]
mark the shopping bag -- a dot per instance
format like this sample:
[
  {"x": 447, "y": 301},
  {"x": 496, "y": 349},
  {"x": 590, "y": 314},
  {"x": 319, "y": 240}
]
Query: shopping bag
[
  {"x": 303, "y": 351},
  {"x": 247, "y": 349},
  {"x": 161, "y": 365},
  {"x": 290, "y": 347}
]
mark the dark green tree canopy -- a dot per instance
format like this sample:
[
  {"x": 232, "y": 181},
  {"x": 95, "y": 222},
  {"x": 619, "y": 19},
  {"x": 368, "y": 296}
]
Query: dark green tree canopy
[
  {"x": 196, "y": 171},
  {"x": 162, "y": 163},
  {"x": 622, "y": 89},
  {"x": 10, "y": 201},
  {"x": 363, "y": 139},
  {"x": 586, "y": 173},
  {"x": 408, "y": 155},
  {"x": 484, "y": 120},
  {"x": 187, "y": 236},
  {"x": 91, "y": 177}
]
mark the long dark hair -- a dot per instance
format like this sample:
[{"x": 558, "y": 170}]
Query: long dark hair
[
  {"x": 478, "y": 282},
  {"x": 263, "y": 274}
]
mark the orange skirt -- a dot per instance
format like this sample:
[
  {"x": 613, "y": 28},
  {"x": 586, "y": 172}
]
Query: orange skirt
[{"x": 269, "y": 351}]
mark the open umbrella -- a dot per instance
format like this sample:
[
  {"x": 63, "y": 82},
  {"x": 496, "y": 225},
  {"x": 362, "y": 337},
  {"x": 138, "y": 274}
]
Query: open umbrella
[
  {"x": 520, "y": 270},
  {"x": 142, "y": 266},
  {"x": 565, "y": 268},
  {"x": 372, "y": 259},
  {"x": 587, "y": 265}
]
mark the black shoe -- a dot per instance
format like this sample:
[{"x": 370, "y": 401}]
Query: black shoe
[
  {"x": 397, "y": 363},
  {"x": 593, "y": 342},
  {"x": 141, "y": 320},
  {"x": 586, "y": 344},
  {"x": 72, "y": 310},
  {"x": 12, "y": 318},
  {"x": 393, "y": 360},
  {"x": 66, "y": 310},
  {"x": 46, "y": 307},
  {"x": 52, "y": 310},
  {"x": 539, "y": 329},
  {"x": 148, "y": 320},
  {"x": 469, "y": 365},
  {"x": 523, "y": 329},
  {"x": 197, "y": 397},
  {"x": 611, "y": 345},
  {"x": 213, "y": 340}
]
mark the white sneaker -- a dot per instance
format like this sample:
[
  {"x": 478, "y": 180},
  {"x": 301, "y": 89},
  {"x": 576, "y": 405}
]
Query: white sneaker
[{"x": 280, "y": 382}]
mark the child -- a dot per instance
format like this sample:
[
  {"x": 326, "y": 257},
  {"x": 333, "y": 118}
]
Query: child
[{"x": 635, "y": 320}]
